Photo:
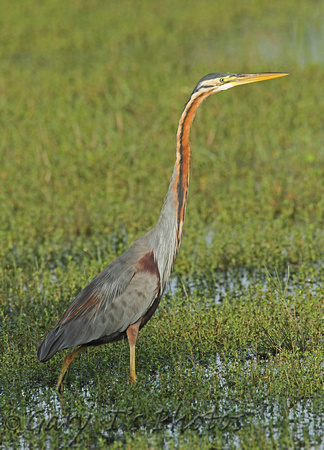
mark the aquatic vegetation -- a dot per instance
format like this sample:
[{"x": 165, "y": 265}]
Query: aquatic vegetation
[{"x": 90, "y": 97}]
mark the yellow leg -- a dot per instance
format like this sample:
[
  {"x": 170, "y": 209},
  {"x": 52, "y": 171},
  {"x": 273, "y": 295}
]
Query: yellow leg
[
  {"x": 67, "y": 361},
  {"x": 132, "y": 373},
  {"x": 132, "y": 332}
]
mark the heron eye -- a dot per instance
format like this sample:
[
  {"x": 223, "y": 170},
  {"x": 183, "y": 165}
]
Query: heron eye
[{"x": 222, "y": 80}]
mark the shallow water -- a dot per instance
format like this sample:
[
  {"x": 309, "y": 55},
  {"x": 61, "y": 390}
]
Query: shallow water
[
  {"x": 303, "y": 417},
  {"x": 46, "y": 412},
  {"x": 236, "y": 283}
]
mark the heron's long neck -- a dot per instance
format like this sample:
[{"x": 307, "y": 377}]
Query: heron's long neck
[
  {"x": 165, "y": 237},
  {"x": 174, "y": 209}
]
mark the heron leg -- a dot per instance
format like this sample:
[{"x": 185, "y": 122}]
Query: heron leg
[
  {"x": 67, "y": 361},
  {"x": 132, "y": 333}
]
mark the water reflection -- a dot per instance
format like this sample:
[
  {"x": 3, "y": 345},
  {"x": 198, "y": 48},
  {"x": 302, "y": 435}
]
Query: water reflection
[{"x": 235, "y": 283}]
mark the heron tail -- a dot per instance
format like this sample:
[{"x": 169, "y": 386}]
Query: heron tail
[{"x": 50, "y": 345}]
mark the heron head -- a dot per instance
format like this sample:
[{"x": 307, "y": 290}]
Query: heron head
[{"x": 215, "y": 82}]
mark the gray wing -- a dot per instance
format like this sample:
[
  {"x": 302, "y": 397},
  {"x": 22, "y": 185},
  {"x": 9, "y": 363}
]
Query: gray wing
[{"x": 118, "y": 297}]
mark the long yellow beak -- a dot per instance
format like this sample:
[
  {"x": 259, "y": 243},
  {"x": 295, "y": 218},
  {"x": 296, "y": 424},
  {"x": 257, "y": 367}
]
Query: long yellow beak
[{"x": 246, "y": 78}]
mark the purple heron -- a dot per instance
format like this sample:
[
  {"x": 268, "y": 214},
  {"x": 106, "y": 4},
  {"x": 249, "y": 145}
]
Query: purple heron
[{"x": 120, "y": 300}]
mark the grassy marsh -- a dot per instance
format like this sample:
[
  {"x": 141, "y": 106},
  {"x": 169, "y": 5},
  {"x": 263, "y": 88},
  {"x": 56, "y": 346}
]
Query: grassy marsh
[{"x": 90, "y": 96}]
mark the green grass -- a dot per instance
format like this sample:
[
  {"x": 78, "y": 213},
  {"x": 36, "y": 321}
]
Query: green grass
[{"x": 90, "y": 96}]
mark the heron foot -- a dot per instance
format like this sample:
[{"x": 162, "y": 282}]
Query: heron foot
[
  {"x": 59, "y": 385},
  {"x": 132, "y": 377}
]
